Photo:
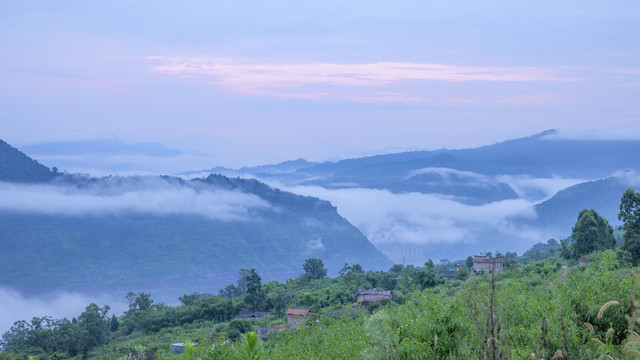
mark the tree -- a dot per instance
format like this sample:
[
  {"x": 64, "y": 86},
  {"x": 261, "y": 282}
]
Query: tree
[
  {"x": 314, "y": 269},
  {"x": 115, "y": 324},
  {"x": 94, "y": 325},
  {"x": 279, "y": 300},
  {"x": 346, "y": 269},
  {"x": 255, "y": 295},
  {"x": 230, "y": 291},
  {"x": 190, "y": 299},
  {"x": 357, "y": 268},
  {"x": 426, "y": 278},
  {"x": 590, "y": 233},
  {"x": 429, "y": 265},
  {"x": 241, "y": 288},
  {"x": 140, "y": 301},
  {"x": 461, "y": 274},
  {"x": 630, "y": 216},
  {"x": 470, "y": 262}
]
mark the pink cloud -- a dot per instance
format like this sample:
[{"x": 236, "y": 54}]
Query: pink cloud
[{"x": 278, "y": 79}]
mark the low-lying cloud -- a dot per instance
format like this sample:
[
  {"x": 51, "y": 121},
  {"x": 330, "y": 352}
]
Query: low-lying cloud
[
  {"x": 15, "y": 306},
  {"x": 403, "y": 223},
  {"x": 416, "y": 218},
  {"x": 451, "y": 176},
  {"x": 621, "y": 132},
  {"x": 628, "y": 177},
  {"x": 537, "y": 189},
  {"x": 137, "y": 195}
]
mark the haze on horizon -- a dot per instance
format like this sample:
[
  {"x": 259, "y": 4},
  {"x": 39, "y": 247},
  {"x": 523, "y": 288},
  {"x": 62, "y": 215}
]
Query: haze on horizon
[{"x": 251, "y": 83}]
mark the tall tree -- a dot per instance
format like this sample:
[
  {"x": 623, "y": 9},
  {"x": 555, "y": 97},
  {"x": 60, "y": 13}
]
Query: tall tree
[
  {"x": 314, "y": 269},
  {"x": 94, "y": 326},
  {"x": 255, "y": 295},
  {"x": 630, "y": 215},
  {"x": 469, "y": 262},
  {"x": 591, "y": 232}
]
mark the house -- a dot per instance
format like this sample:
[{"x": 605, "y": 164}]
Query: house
[
  {"x": 297, "y": 317},
  {"x": 176, "y": 348},
  {"x": 374, "y": 295},
  {"x": 449, "y": 274},
  {"x": 248, "y": 315},
  {"x": 366, "y": 297},
  {"x": 483, "y": 263}
]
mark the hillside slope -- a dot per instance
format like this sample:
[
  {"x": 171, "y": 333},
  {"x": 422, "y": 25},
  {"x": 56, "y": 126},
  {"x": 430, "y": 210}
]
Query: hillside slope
[
  {"x": 558, "y": 214},
  {"x": 15, "y": 166},
  {"x": 165, "y": 234}
]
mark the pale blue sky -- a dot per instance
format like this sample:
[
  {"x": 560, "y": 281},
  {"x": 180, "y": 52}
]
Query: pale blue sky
[{"x": 253, "y": 82}]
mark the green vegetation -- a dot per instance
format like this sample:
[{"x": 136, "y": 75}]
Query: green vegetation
[
  {"x": 544, "y": 308},
  {"x": 591, "y": 232},
  {"x": 314, "y": 269},
  {"x": 630, "y": 215}
]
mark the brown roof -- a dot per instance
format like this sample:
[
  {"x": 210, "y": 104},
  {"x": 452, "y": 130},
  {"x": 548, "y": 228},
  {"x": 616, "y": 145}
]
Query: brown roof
[{"x": 297, "y": 312}]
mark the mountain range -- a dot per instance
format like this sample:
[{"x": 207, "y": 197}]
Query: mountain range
[
  {"x": 472, "y": 176},
  {"x": 506, "y": 196},
  {"x": 413, "y": 206},
  {"x": 161, "y": 234}
]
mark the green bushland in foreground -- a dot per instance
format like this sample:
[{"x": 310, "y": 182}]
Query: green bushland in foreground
[
  {"x": 544, "y": 305},
  {"x": 539, "y": 308}
]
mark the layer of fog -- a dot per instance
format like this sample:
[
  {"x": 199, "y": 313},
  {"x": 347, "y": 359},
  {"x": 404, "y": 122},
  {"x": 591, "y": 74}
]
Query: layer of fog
[
  {"x": 537, "y": 189},
  {"x": 15, "y": 306},
  {"x": 416, "y": 218},
  {"x": 426, "y": 223},
  {"x": 607, "y": 133},
  {"x": 526, "y": 187},
  {"x": 124, "y": 165},
  {"x": 134, "y": 194}
]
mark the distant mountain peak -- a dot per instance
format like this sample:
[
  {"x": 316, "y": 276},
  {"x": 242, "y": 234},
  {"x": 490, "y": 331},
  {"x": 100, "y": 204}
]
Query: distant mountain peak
[{"x": 543, "y": 134}]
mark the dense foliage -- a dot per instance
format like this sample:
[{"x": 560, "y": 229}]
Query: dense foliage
[
  {"x": 541, "y": 308},
  {"x": 630, "y": 215},
  {"x": 591, "y": 232}
]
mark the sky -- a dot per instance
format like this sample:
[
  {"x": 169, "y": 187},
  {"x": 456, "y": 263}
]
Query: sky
[{"x": 249, "y": 82}]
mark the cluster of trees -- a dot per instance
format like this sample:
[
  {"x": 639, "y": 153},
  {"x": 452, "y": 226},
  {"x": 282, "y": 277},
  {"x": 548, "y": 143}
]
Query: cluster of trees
[
  {"x": 538, "y": 310},
  {"x": 630, "y": 215},
  {"x": 592, "y": 232},
  {"x": 58, "y": 339},
  {"x": 312, "y": 290}
]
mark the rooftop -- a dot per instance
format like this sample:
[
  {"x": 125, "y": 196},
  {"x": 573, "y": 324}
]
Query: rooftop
[{"x": 297, "y": 311}]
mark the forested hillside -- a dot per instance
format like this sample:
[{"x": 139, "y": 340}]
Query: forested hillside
[
  {"x": 110, "y": 242},
  {"x": 558, "y": 213},
  {"x": 113, "y": 234},
  {"x": 15, "y": 166}
]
